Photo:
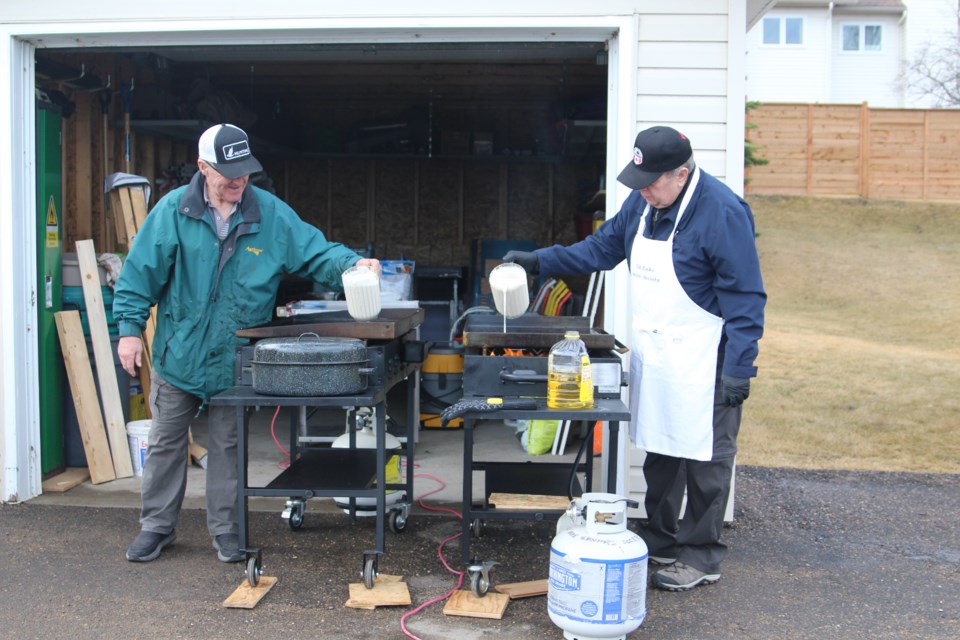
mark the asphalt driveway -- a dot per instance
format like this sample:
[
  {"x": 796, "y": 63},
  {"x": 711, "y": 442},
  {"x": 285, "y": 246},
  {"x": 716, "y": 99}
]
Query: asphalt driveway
[{"x": 813, "y": 555}]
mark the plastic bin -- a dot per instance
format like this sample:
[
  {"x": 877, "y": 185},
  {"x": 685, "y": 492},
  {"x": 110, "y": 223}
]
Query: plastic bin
[
  {"x": 71, "y": 271},
  {"x": 74, "y": 455},
  {"x": 72, "y": 298}
]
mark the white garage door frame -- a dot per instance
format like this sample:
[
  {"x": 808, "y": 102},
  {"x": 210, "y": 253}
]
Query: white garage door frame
[{"x": 19, "y": 389}]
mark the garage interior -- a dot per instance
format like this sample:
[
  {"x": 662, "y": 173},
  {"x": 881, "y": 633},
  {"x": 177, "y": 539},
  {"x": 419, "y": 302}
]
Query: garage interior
[
  {"x": 441, "y": 153},
  {"x": 413, "y": 151}
]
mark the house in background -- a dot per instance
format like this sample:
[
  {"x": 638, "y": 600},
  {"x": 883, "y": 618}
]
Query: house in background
[{"x": 845, "y": 51}]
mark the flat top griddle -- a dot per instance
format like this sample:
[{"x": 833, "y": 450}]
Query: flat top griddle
[
  {"x": 531, "y": 331},
  {"x": 390, "y": 324}
]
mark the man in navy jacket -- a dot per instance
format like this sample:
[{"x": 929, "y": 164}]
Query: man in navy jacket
[{"x": 696, "y": 308}]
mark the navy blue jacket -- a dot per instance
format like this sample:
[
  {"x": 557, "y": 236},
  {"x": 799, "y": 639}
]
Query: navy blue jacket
[{"x": 714, "y": 256}]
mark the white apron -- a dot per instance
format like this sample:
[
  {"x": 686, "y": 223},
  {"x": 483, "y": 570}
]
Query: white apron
[{"x": 674, "y": 360}]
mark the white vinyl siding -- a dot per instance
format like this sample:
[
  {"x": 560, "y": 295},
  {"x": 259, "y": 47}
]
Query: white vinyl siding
[
  {"x": 870, "y": 72},
  {"x": 796, "y": 73}
]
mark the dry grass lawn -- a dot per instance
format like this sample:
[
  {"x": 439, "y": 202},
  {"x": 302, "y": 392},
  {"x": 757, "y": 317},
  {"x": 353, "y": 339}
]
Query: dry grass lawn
[{"x": 860, "y": 359}]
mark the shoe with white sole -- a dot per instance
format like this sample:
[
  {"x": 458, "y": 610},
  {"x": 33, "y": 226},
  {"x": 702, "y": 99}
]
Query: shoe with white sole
[
  {"x": 682, "y": 577},
  {"x": 228, "y": 547},
  {"x": 148, "y": 545}
]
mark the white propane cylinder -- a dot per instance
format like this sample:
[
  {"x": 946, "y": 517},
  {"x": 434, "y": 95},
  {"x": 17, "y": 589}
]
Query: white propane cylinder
[
  {"x": 367, "y": 439},
  {"x": 598, "y": 571}
]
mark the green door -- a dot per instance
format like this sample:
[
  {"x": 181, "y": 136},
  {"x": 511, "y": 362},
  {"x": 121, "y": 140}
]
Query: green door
[{"x": 49, "y": 219}]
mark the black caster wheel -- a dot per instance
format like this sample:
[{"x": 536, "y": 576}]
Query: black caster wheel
[
  {"x": 369, "y": 571},
  {"x": 254, "y": 570},
  {"x": 479, "y": 584},
  {"x": 397, "y": 522},
  {"x": 478, "y": 527},
  {"x": 294, "y": 512},
  {"x": 296, "y": 519}
]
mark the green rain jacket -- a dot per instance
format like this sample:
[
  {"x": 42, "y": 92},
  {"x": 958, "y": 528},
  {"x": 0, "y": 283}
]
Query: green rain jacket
[{"x": 206, "y": 289}]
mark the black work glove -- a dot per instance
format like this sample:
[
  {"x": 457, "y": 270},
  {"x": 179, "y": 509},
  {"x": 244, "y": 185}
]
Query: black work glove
[
  {"x": 482, "y": 406},
  {"x": 734, "y": 390},
  {"x": 526, "y": 259}
]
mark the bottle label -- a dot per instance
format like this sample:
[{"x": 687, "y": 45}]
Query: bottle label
[{"x": 586, "y": 380}]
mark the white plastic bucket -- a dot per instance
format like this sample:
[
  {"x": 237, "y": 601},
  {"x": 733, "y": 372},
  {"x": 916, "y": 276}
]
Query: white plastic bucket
[{"x": 137, "y": 436}]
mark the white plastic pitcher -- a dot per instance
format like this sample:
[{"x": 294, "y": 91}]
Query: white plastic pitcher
[
  {"x": 508, "y": 284},
  {"x": 362, "y": 289}
]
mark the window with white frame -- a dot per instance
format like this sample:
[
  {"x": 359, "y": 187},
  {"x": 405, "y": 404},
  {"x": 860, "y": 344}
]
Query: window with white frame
[
  {"x": 862, "y": 37},
  {"x": 782, "y": 31}
]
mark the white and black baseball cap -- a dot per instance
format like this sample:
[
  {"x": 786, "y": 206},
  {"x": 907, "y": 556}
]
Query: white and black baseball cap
[
  {"x": 226, "y": 148},
  {"x": 655, "y": 151}
]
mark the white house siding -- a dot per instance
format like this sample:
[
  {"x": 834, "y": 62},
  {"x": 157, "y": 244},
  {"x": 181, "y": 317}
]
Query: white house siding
[
  {"x": 679, "y": 63},
  {"x": 791, "y": 73},
  {"x": 868, "y": 76}
]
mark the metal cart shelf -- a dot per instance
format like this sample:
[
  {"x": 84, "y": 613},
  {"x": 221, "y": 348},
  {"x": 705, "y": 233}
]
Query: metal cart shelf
[
  {"x": 530, "y": 477},
  {"x": 324, "y": 472}
]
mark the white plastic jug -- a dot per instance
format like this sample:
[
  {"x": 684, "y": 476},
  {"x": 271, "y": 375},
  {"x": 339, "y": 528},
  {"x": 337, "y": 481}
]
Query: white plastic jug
[
  {"x": 508, "y": 284},
  {"x": 362, "y": 289}
]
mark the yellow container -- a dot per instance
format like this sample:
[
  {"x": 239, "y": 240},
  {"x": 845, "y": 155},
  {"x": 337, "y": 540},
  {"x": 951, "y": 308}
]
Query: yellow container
[{"x": 441, "y": 385}]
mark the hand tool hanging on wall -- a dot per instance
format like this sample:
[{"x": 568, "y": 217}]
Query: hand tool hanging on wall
[
  {"x": 105, "y": 96},
  {"x": 126, "y": 96}
]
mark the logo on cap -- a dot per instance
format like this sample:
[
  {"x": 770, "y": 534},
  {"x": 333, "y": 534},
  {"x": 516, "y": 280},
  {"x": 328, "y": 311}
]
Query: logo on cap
[
  {"x": 637, "y": 156},
  {"x": 236, "y": 150}
]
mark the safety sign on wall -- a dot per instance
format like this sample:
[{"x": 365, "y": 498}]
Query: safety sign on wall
[{"x": 53, "y": 227}]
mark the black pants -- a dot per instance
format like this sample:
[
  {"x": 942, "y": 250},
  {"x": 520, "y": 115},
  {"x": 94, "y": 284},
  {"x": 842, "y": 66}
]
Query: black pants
[{"x": 694, "y": 540}]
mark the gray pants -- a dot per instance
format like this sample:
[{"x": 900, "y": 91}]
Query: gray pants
[
  {"x": 165, "y": 467},
  {"x": 694, "y": 540}
]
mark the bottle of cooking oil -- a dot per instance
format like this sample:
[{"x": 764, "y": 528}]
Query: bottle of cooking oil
[{"x": 569, "y": 377}]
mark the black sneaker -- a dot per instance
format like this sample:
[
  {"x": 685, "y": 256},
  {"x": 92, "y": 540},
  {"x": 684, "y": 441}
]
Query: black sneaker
[
  {"x": 228, "y": 547},
  {"x": 682, "y": 577},
  {"x": 148, "y": 545}
]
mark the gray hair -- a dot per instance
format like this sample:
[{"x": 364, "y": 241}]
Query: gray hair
[{"x": 689, "y": 164}]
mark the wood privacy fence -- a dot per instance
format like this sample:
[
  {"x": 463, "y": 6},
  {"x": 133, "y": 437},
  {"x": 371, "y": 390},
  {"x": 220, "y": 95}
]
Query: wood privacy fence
[{"x": 853, "y": 150}]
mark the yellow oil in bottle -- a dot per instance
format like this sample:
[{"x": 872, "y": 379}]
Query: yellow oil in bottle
[{"x": 569, "y": 377}]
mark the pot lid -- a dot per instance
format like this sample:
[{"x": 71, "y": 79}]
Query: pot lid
[{"x": 309, "y": 348}]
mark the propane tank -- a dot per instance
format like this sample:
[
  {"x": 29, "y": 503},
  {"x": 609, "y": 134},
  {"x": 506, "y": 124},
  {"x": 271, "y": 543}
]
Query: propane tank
[
  {"x": 598, "y": 570},
  {"x": 366, "y": 438}
]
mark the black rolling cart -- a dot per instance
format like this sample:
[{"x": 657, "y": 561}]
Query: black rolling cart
[
  {"x": 317, "y": 472},
  {"x": 394, "y": 355},
  {"x": 548, "y": 478}
]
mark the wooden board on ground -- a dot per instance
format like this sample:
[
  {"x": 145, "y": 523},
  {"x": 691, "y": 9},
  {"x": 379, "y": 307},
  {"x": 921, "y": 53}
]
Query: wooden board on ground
[
  {"x": 66, "y": 480},
  {"x": 529, "y": 501},
  {"x": 103, "y": 354},
  {"x": 84, "y": 392},
  {"x": 523, "y": 589},
  {"x": 247, "y": 597},
  {"x": 464, "y": 603},
  {"x": 388, "y": 591}
]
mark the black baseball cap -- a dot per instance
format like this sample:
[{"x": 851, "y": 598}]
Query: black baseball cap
[
  {"x": 655, "y": 151},
  {"x": 226, "y": 148}
]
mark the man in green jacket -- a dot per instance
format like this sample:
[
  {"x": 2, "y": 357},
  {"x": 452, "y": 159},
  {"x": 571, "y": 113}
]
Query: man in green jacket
[{"x": 210, "y": 255}]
